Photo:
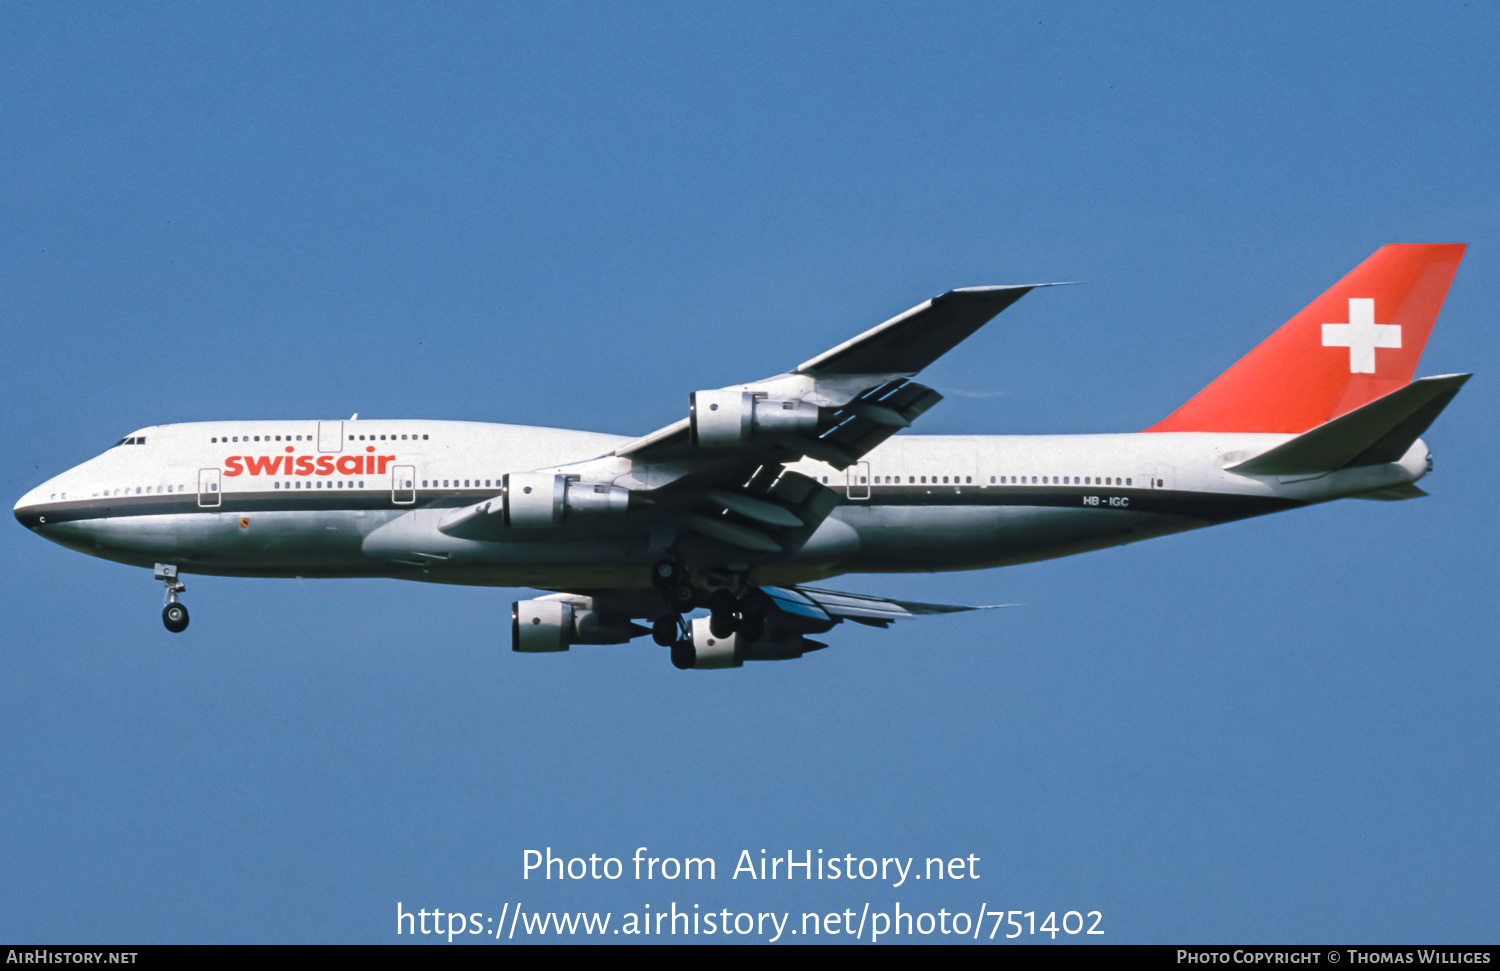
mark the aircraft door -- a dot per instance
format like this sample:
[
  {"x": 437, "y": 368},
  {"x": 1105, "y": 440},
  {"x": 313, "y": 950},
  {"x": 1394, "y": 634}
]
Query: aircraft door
[
  {"x": 209, "y": 495},
  {"x": 403, "y": 484},
  {"x": 330, "y": 436},
  {"x": 859, "y": 480}
]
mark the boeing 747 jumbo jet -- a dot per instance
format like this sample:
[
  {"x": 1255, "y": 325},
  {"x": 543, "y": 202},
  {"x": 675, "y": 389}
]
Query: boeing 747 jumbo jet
[{"x": 767, "y": 486}]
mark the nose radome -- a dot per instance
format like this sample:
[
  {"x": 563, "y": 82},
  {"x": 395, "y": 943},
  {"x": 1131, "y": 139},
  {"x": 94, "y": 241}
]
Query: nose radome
[{"x": 26, "y": 510}]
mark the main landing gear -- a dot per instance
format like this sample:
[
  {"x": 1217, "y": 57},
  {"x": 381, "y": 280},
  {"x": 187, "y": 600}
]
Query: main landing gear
[
  {"x": 729, "y": 614},
  {"x": 174, "y": 615},
  {"x": 671, "y": 628},
  {"x": 737, "y": 615}
]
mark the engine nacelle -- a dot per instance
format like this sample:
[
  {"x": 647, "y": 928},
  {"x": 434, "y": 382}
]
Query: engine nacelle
[
  {"x": 538, "y": 499},
  {"x": 540, "y": 626},
  {"x": 544, "y": 626},
  {"x": 733, "y": 651},
  {"x": 723, "y": 418}
]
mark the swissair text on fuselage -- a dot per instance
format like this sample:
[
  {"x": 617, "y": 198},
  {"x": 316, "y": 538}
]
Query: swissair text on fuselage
[{"x": 307, "y": 464}]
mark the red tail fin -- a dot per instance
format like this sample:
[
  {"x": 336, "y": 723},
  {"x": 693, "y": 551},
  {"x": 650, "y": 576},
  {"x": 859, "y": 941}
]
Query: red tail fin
[{"x": 1360, "y": 340}]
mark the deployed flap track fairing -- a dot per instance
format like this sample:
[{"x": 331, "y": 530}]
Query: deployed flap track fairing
[{"x": 762, "y": 490}]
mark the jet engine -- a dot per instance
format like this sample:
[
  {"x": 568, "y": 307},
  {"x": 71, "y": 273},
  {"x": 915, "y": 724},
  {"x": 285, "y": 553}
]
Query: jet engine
[
  {"x": 542, "y": 626},
  {"x": 723, "y": 418},
  {"x": 536, "y": 499},
  {"x": 706, "y": 651}
]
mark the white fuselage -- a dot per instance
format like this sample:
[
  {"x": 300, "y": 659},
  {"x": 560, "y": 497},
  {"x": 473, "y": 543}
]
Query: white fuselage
[{"x": 363, "y": 498}]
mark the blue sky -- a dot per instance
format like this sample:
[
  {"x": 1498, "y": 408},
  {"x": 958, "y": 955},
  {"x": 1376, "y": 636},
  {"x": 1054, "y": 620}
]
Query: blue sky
[{"x": 573, "y": 215}]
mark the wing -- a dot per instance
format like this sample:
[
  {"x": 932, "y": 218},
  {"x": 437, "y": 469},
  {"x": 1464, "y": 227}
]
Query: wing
[
  {"x": 862, "y": 387},
  {"x": 725, "y": 464},
  {"x": 816, "y": 604},
  {"x": 721, "y": 473},
  {"x": 791, "y": 613},
  {"x": 909, "y": 342}
]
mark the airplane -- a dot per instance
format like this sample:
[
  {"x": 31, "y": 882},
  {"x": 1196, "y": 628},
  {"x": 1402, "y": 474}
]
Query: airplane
[{"x": 767, "y": 487}]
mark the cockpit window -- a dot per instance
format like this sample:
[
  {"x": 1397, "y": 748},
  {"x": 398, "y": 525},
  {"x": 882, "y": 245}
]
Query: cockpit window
[{"x": 133, "y": 440}]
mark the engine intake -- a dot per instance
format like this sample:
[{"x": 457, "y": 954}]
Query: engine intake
[{"x": 723, "y": 418}]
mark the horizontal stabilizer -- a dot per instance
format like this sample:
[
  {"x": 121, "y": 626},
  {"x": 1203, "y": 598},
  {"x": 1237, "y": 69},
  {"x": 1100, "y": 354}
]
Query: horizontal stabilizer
[
  {"x": 1394, "y": 493},
  {"x": 1373, "y": 434}
]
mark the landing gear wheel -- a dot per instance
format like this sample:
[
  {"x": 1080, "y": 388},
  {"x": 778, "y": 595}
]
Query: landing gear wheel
[
  {"x": 753, "y": 625},
  {"x": 753, "y": 615},
  {"x": 664, "y": 631},
  {"x": 725, "y": 619},
  {"x": 682, "y": 597},
  {"x": 175, "y": 616},
  {"x": 683, "y": 655},
  {"x": 723, "y": 625}
]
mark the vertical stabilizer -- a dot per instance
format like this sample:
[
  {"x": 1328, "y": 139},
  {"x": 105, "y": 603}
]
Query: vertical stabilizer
[{"x": 1359, "y": 341}]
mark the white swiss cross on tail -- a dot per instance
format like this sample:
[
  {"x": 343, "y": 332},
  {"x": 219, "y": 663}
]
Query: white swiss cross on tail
[{"x": 1361, "y": 335}]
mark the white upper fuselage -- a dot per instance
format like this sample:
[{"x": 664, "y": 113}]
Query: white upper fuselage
[{"x": 363, "y": 498}]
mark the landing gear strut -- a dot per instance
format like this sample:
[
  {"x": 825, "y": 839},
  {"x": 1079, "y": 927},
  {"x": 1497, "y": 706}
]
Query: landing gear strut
[
  {"x": 677, "y": 594},
  {"x": 671, "y": 581},
  {"x": 174, "y": 615}
]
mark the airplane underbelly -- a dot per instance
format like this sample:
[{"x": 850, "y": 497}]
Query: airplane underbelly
[
  {"x": 939, "y": 538},
  {"x": 272, "y": 543}
]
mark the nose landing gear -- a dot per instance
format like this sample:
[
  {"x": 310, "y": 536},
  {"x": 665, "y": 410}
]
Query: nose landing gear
[{"x": 174, "y": 616}]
